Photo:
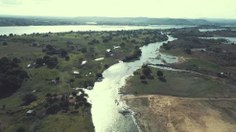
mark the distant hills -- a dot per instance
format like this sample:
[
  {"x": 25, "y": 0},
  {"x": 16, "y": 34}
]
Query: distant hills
[{"x": 26, "y": 21}]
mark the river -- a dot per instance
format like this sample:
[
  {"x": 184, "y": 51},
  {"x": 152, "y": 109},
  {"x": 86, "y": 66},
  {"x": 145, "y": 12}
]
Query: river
[
  {"x": 105, "y": 97},
  {"x": 19, "y": 30}
]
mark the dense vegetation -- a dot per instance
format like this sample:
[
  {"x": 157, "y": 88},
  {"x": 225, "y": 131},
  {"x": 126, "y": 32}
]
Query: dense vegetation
[{"x": 11, "y": 76}]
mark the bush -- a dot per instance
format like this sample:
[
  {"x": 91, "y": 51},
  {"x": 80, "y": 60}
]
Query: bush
[
  {"x": 4, "y": 43},
  {"x": 142, "y": 77},
  {"x": 28, "y": 98},
  {"x": 144, "y": 82},
  {"x": 188, "y": 51},
  {"x": 53, "y": 109},
  {"x": 67, "y": 58},
  {"x": 162, "y": 78},
  {"x": 21, "y": 129}
]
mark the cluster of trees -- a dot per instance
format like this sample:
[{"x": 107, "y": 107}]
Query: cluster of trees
[
  {"x": 106, "y": 39},
  {"x": 56, "y": 103},
  {"x": 11, "y": 76},
  {"x": 136, "y": 54},
  {"x": 51, "y": 62},
  {"x": 146, "y": 74},
  {"x": 50, "y": 50},
  {"x": 94, "y": 41}
]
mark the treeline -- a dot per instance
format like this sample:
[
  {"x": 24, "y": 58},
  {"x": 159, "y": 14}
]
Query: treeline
[
  {"x": 25, "y": 21},
  {"x": 11, "y": 76}
]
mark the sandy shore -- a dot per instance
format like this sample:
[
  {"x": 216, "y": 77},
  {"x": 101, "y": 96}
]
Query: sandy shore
[{"x": 177, "y": 114}]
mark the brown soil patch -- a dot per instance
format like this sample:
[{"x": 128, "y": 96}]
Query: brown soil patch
[{"x": 176, "y": 114}]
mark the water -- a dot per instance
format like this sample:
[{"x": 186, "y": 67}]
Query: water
[
  {"x": 19, "y": 30},
  {"x": 229, "y": 39},
  {"x": 211, "y": 29},
  {"x": 105, "y": 111}
]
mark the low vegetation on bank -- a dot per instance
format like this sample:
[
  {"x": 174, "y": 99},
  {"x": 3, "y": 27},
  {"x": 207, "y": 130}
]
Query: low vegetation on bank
[
  {"x": 207, "y": 56},
  {"x": 152, "y": 81}
]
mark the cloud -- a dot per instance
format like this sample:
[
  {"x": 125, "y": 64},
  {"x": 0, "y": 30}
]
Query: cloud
[{"x": 119, "y": 8}]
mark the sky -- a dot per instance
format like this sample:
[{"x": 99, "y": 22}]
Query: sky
[{"x": 121, "y": 8}]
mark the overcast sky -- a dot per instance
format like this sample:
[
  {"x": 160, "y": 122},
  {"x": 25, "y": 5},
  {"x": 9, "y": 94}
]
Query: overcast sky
[{"x": 121, "y": 8}]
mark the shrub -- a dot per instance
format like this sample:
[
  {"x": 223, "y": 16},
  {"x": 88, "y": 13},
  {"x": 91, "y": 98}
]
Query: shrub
[{"x": 28, "y": 98}]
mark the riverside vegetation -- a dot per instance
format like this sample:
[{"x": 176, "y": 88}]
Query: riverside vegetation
[{"x": 42, "y": 75}]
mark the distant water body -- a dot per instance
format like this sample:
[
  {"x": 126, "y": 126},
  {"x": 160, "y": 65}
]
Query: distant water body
[{"x": 19, "y": 30}]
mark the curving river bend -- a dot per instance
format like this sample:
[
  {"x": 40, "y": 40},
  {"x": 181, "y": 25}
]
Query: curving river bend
[{"x": 106, "y": 105}]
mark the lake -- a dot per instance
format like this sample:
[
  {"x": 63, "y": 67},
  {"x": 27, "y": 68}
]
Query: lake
[{"x": 19, "y": 30}]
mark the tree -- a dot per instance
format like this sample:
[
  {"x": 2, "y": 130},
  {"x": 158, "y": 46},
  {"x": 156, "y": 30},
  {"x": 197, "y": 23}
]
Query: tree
[
  {"x": 146, "y": 71},
  {"x": 39, "y": 62},
  {"x": 159, "y": 73},
  {"x": 51, "y": 62},
  {"x": 16, "y": 60},
  {"x": 99, "y": 75},
  {"x": 11, "y": 77},
  {"x": 63, "y": 53}
]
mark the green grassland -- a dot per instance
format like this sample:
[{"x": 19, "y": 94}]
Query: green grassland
[
  {"x": 181, "y": 84},
  {"x": 215, "y": 56}
]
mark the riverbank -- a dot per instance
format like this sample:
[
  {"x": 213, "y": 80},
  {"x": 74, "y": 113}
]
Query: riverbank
[
  {"x": 184, "y": 102},
  {"x": 170, "y": 114},
  {"x": 196, "y": 94}
]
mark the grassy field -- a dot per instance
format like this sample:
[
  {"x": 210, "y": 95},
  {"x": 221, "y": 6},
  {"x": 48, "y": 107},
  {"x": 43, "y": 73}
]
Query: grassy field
[
  {"x": 180, "y": 84},
  {"x": 202, "y": 55}
]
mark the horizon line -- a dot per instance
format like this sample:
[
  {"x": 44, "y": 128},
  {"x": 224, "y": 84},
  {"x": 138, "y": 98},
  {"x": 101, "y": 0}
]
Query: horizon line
[{"x": 5, "y": 15}]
